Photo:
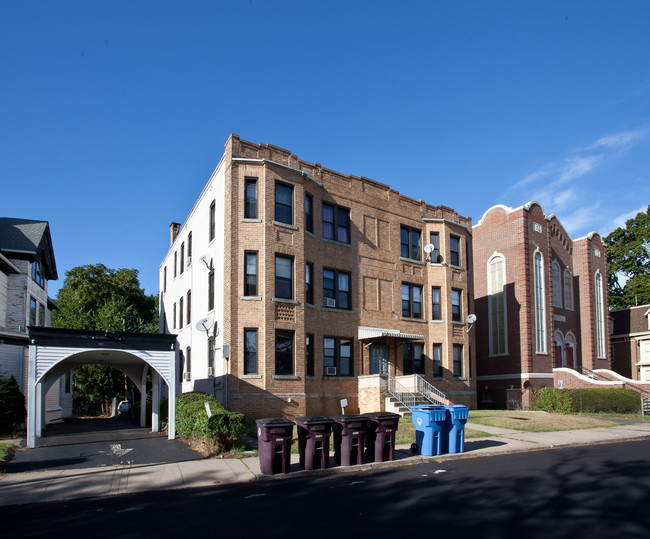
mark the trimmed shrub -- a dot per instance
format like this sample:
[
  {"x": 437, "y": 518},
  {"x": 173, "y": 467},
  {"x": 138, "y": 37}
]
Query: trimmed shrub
[
  {"x": 225, "y": 428},
  {"x": 549, "y": 399},
  {"x": 191, "y": 417},
  {"x": 12, "y": 406},
  {"x": 611, "y": 400}
]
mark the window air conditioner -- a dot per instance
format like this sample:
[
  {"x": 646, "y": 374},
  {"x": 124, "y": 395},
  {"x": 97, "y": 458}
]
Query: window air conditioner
[
  {"x": 187, "y": 376},
  {"x": 210, "y": 372},
  {"x": 330, "y": 302},
  {"x": 330, "y": 371}
]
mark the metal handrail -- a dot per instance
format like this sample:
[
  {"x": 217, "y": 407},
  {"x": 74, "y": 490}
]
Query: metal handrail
[
  {"x": 429, "y": 392},
  {"x": 403, "y": 395},
  {"x": 422, "y": 387}
]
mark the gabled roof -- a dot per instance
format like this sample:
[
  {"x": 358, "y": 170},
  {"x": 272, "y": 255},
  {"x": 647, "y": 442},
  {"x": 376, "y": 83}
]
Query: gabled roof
[{"x": 20, "y": 238}]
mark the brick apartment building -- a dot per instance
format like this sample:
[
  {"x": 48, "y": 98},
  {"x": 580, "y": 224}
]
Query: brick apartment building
[
  {"x": 631, "y": 342},
  {"x": 541, "y": 302},
  {"x": 307, "y": 280}
]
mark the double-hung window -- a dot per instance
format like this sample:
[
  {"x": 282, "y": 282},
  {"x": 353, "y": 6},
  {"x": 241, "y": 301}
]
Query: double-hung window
[
  {"x": 413, "y": 358},
  {"x": 410, "y": 243},
  {"x": 458, "y": 360},
  {"x": 309, "y": 213},
  {"x": 336, "y": 289},
  {"x": 411, "y": 300},
  {"x": 37, "y": 274},
  {"x": 182, "y": 264},
  {"x": 436, "y": 311},
  {"x": 250, "y": 273},
  {"x": 210, "y": 290},
  {"x": 283, "y": 352},
  {"x": 180, "y": 313},
  {"x": 336, "y": 223},
  {"x": 175, "y": 263},
  {"x": 456, "y": 305},
  {"x": 41, "y": 314},
  {"x": 436, "y": 353},
  {"x": 309, "y": 283},
  {"x": 283, "y": 277},
  {"x": 434, "y": 239},
  {"x": 337, "y": 356},
  {"x": 250, "y": 198},
  {"x": 454, "y": 250},
  {"x": 212, "y": 222},
  {"x": 309, "y": 354},
  {"x": 283, "y": 203},
  {"x": 189, "y": 306},
  {"x": 250, "y": 351},
  {"x": 32, "y": 312}
]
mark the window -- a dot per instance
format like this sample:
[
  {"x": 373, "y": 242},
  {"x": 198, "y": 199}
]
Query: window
[
  {"x": 336, "y": 289},
  {"x": 175, "y": 264},
  {"x": 436, "y": 311},
  {"x": 165, "y": 279},
  {"x": 250, "y": 351},
  {"x": 568, "y": 289},
  {"x": 456, "y": 305},
  {"x": 413, "y": 358},
  {"x": 458, "y": 360},
  {"x": 283, "y": 277},
  {"x": 283, "y": 352},
  {"x": 284, "y": 203},
  {"x": 250, "y": 195},
  {"x": 336, "y": 223},
  {"x": 600, "y": 317},
  {"x": 189, "y": 248},
  {"x": 41, "y": 315},
  {"x": 211, "y": 356},
  {"x": 309, "y": 354},
  {"x": 454, "y": 250},
  {"x": 437, "y": 360},
  {"x": 68, "y": 382},
  {"x": 37, "y": 274},
  {"x": 211, "y": 230},
  {"x": 309, "y": 283},
  {"x": 309, "y": 213},
  {"x": 250, "y": 273},
  {"x": 180, "y": 313},
  {"x": 496, "y": 305},
  {"x": 434, "y": 239},
  {"x": 182, "y": 257},
  {"x": 540, "y": 304},
  {"x": 557, "y": 284},
  {"x": 409, "y": 243},
  {"x": 337, "y": 356},
  {"x": 174, "y": 317},
  {"x": 188, "y": 361},
  {"x": 32, "y": 311},
  {"x": 411, "y": 300},
  {"x": 210, "y": 290},
  {"x": 189, "y": 306}
]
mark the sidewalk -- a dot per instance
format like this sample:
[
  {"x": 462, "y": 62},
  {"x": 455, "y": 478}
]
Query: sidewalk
[{"x": 55, "y": 485}]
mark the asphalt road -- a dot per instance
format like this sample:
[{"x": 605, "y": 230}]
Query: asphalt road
[
  {"x": 593, "y": 491},
  {"x": 90, "y": 443}
]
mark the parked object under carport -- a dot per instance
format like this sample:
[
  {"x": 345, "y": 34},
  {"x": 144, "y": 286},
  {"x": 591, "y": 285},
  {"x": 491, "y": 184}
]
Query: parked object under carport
[
  {"x": 314, "y": 441},
  {"x": 349, "y": 437},
  {"x": 274, "y": 445},
  {"x": 380, "y": 436}
]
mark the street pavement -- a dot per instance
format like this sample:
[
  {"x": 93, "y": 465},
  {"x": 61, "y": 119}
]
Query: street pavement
[{"x": 131, "y": 477}]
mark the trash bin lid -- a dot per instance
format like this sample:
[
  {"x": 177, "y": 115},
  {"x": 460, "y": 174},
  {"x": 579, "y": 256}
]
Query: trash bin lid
[
  {"x": 348, "y": 418},
  {"x": 314, "y": 420},
  {"x": 382, "y": 415},
  {"x": 274, "y": 422}
]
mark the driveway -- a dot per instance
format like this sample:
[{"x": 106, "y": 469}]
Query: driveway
[{"x": 90, "y": 443}]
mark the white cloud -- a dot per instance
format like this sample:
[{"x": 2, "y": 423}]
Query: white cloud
[
  {"x": 578, "y": 166},
  {"x": 617, "y": 140},
  {"x": 620, "y": 220},
  {"x": 583, "y": 218}
]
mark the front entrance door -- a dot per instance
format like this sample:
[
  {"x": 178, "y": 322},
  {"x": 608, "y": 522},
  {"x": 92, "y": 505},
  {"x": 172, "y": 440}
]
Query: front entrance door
[
  {"x": 379, "y": 359},
  {"x": 558, "y": 356},
  {"x": 569, "y": 357}
]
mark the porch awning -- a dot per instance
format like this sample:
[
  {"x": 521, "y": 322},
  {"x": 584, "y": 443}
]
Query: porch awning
[{"x": 375, "y": 333}]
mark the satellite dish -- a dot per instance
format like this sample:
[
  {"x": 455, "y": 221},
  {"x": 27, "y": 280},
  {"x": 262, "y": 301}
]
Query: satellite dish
[
  {"x": 471, "y": 318},
  {"x": 428, "y": 248},
  {"x": 204, "y": 324},
  {"x": 207, "y": 260}
]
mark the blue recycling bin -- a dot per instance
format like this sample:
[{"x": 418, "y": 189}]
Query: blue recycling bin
[
  {"x": 429, "y": 421},
  {"x": 454, "y": 431}
]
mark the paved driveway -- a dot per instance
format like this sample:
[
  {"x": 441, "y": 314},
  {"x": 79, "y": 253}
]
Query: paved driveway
[{"x": 89, "y": 443}]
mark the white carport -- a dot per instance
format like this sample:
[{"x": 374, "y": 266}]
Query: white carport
[{"x": 54, "y": 351}]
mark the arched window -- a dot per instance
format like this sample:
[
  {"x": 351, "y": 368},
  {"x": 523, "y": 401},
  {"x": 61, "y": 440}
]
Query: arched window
[
  {"x": 568, "y": 289},
  {"x": 540, "y": 304},
  {"x": 497, "y": 305},
  {"x": 557, "y": 285},
  {"x": 600, "y": 317}
]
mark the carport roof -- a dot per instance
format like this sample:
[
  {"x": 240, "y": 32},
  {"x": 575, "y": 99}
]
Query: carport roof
[{"x": 100, "y": 339}]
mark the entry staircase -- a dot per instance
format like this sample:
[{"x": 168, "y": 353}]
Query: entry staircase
[{"x": 400, "y": 398}]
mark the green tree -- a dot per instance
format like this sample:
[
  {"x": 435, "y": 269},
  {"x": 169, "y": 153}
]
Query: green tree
[
  {"x": 99, "y": 298},
  {"x": 628, "y": 262}
]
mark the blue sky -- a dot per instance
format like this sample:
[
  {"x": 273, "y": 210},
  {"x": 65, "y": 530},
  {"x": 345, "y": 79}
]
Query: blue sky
[{"x": 114, "y": 114}]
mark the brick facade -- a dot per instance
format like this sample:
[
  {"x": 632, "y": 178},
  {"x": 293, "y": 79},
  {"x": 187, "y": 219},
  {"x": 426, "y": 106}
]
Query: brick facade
[{"x": 631, "y": 342}]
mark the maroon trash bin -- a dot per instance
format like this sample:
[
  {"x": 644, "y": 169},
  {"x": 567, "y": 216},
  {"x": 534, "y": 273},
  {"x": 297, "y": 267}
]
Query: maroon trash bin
[
  {"x": 380, "y": 436},
  {"x": 314, "y": 441},
  {"x": 274, "y": 445},
  {"x": 349, "y": 436}
]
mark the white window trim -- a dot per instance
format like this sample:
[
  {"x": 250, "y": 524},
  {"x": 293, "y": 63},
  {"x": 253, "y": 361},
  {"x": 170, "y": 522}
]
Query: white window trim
[
  {"x": 494, "y": 256},
  {"x": 600, "y": 315},
  {"x": 540, "y": 304}
]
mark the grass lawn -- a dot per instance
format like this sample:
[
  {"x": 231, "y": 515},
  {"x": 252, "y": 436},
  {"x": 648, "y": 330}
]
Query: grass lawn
[
  {"x": 535, "y": 421},
  {"x": 6, "y": 450}
]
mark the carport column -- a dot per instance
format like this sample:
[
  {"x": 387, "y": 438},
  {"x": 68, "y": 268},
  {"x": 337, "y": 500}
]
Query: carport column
[
  {"x": 155, "y": 402},
  {"x": 143, "y": 396},
  {"x": 31, "y": 397},
  {"x": 171, "y": 389}
]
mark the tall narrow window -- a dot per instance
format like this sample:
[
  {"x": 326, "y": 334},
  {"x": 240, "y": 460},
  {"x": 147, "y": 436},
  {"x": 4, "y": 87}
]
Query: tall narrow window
[
  {"x": 189, "y": 306},
  {"x": 557, "y": 284},
  {"x": 41, "y": 315},
  {"x": 458, "y": 360},
  {"x": 568, "y": 289},
  {"x": 409, "y": 243},
  {"x": 250, "y": 275},
  {"x": 188, "y": 361},
  {"x": 413, "y": 359},
  {"x": 309, "y": 354},
  {"x": 283, "y": 352},
  {"x": 250, "y": 351},
  {"x": 37, "y": 274},
  {"x": 210, "y": 290},
  {"x": 180, "y": 313},
  {"x": 32, "y": 312},
  {"x": 284, "y": 203},
  {"x": 175, "y": 263},
  {"x": 540, "y": 304},
  {"x": 309, "y": 213},
  {"x": 434, "y": 239},
  {"x": 411, "y": 300},
  {"x": 436, "y": 353},
  {"x": 496, "y": 305},
  {"x": 336, "y": 289},
  {"x": 174, "y": 317},
  {"x": 454, "y": 250},
  {"x": 436, "y": 311},
  {"x": 283, "y": 277},
  {"x": 250, "y": 206},
  {"x": 309, "y": 283},
  {"x": 212, "y": 226},
  {"x": 456, "y": 305},
  {"x": 165, "y": 279},
  {"x": 600, "y": 317},
  {"x": 211, "y": 365},
  {"x": 182, "y": 264},
  {"x": 189, "y": 248}
]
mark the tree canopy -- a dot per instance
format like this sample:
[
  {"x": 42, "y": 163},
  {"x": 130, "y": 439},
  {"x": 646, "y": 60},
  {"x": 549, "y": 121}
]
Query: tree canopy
[{"x": 628, "y": 262}]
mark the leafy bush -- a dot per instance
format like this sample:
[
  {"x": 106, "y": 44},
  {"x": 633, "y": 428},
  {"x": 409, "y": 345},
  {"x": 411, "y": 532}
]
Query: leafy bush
[
  {"x": 191, "y": 417},
  {"x": 612, "y": 400},
  {"x": 12, "y": 406},
  {"x": 225, "y": 428},
  {"x": 550, "y": 399}
]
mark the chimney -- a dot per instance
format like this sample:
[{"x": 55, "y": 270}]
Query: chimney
[{"x": 173, "y": 231}]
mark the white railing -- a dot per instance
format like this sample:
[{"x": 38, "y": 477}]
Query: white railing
[
  {"x": 403, "y": 395},
  {"x": 431, "y": 393},
  {"x": 423, "y": 390}
]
